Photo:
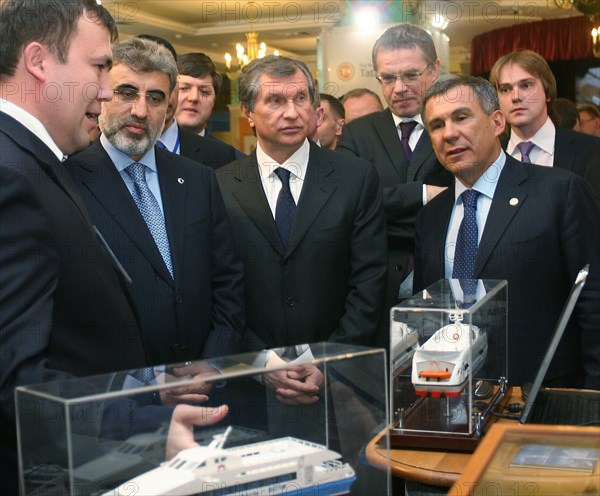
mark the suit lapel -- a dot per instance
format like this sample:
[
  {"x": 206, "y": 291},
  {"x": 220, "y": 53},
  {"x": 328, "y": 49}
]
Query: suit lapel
[
  {"x": 386, "y": 129},
  {"x": 508, "y": 199},
  {"x": 46, "y": 159},
  {"x": 105, "y": 183},
  {"x": 422, "y": 152},
  {"x": 318, "y": 186},
  {"x": 564, "y": 152},
  {"x": 247, "y": 189},
  {"x": 173, "y": 190}
]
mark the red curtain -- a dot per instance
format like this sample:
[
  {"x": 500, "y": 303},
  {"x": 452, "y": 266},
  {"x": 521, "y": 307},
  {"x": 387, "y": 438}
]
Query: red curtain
[{"x": 558, "y": 39}]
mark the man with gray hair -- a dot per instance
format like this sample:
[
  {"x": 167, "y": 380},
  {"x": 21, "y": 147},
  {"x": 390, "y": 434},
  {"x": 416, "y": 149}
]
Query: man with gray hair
[
  {"x": 396, "y": 143},
  {"x": 163, "y": 215},
  {"x": 533, "y": 226},
  {"x": 307, "y": 222}
]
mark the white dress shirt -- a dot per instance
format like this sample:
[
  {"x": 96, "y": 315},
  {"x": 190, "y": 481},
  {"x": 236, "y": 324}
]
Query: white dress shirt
[
  {"x": 543, "y": 151},
  {"x": 296, "y": 164}
]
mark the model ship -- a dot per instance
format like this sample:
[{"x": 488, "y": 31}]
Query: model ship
[
  {"x": 441, "y": 366},
  {"x": 286, "y": 465},
  {"x": 404, "y": 342}
]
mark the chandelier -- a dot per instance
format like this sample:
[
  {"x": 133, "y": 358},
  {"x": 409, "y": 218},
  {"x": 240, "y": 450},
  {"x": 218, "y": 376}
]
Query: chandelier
[
  {"x": 591, "y": 8},
  {"x": 244, "y": 56}
]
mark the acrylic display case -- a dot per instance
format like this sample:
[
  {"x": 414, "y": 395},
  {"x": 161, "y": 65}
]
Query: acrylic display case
[
  {"x": 129, "y": 432},
  {"x": 448, "y": 364}
]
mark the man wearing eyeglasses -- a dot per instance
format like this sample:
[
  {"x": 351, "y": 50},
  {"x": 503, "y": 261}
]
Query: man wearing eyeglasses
[
  {"x": 163, "y": 215},
  {"x": 396, "y": 143}
]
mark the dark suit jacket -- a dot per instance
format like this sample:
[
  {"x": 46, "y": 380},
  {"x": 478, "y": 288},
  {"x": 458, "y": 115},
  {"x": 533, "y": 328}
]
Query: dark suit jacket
[
  {"x": 538, "y": 246},
  {"x": 63, "y": 308},
  {"x": 576, "y": 152},
  {"x": 374, "y": 137},
  {"x": 211, "y": 152},
  {"x": 579, "y": 153},
  {"x": 211, "y": 137},
  {"x": 329, "y": 282},
  {"x": 198, "y": 314}
]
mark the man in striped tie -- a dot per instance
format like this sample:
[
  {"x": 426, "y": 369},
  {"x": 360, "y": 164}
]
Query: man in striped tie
[{"x": 163, "y": 216}]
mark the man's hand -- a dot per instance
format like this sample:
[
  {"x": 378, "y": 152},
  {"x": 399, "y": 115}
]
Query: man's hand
[
  {"x": 181, "y": 428},
  {"x": 299, "y": 385},
  {"x": 433, "y": 191},
  {"x": 195, "y": 393}
]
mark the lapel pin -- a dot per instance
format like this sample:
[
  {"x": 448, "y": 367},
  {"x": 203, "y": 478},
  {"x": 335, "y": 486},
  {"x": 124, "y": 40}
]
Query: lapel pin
[
  {"x": 513, "y": 202},
  {"x": 181, "y": 181}
]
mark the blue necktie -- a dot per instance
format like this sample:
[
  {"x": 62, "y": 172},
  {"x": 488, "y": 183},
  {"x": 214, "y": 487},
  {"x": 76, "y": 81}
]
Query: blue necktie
[
  {"x": 286, "y": 206},
  {"x": 406, "y": 128},
  {"x": 465, "y": 253},
  {"x": 525, "y": 148},
  {"x": 150, "y": 210}
]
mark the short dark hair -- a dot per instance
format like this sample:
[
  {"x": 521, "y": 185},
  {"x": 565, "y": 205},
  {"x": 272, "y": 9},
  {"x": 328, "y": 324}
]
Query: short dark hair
[
  {"x": 199, "y": 65},
  {"x": 566, "y": 112},
  {"x": 405, "y": 35},
  {"x": 590, "y": 108},
  {"x": 52, "y": 23},
  {"x": 481, "y": 89},
  {"x": 275, "y": 66},
  {"x": 335, "y": 104},
  {"x": 161, "y": 41},
  {"x": 358, "y": 92}
]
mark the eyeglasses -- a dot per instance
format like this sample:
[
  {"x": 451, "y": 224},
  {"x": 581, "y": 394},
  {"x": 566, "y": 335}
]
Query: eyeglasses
[
  {"x": 131, "y": 95},
  {"x": 411, "y": 76}
]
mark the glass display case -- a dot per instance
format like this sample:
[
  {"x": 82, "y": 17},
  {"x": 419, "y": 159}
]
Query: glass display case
[
  {"x": 448, "y": 364},
  {"x": 291, "y": 420}
]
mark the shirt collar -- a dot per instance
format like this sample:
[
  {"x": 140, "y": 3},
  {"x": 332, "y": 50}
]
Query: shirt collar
[
  {"x": 296, "y": 164},
  {"x": 544, "y": 138},
  {"x": 122, "y": 160},
  {"x": 417, "y": 118},
  {"x": 487, "y": 183},
  {"x": 33, "y": 124},
  {"x": 169, "y": 137}
]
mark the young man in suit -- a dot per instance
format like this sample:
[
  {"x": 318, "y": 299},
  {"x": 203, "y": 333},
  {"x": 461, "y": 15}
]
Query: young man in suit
[
  {"x": 187, "y": 280},
  {"x": 199, "y": 88},
  {"x": 396, "y": 143},
  {"x": 536, "y": 227},
  {"x": 64, "y": 309},
  {"x": 527, "y": 92},
  {"x": 307, "y": 221}
]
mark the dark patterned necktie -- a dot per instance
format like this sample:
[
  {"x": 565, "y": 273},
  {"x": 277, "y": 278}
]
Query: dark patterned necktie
[
  {"x": 525, "y": 148},
  {"x": 465, "y": 253},
  {"x": 406, "y": 128},
  {"x": 150, "y": 210},
  {"x": 286, "y": 206}
]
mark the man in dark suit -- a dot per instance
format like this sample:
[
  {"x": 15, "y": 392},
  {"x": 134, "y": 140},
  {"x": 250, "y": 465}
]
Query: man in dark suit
[
  {"x": 63, "y": 307},
  {"x": 308, "y": 222},
  {"x": 396, "y": 143},
  {"x": 527, "y": 92},
  {"x": 189, "y": 300},
  {"x": 536, "y": 227}
]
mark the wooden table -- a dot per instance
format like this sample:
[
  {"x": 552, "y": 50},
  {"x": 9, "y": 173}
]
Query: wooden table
[{"x": 432, "y": 467}]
